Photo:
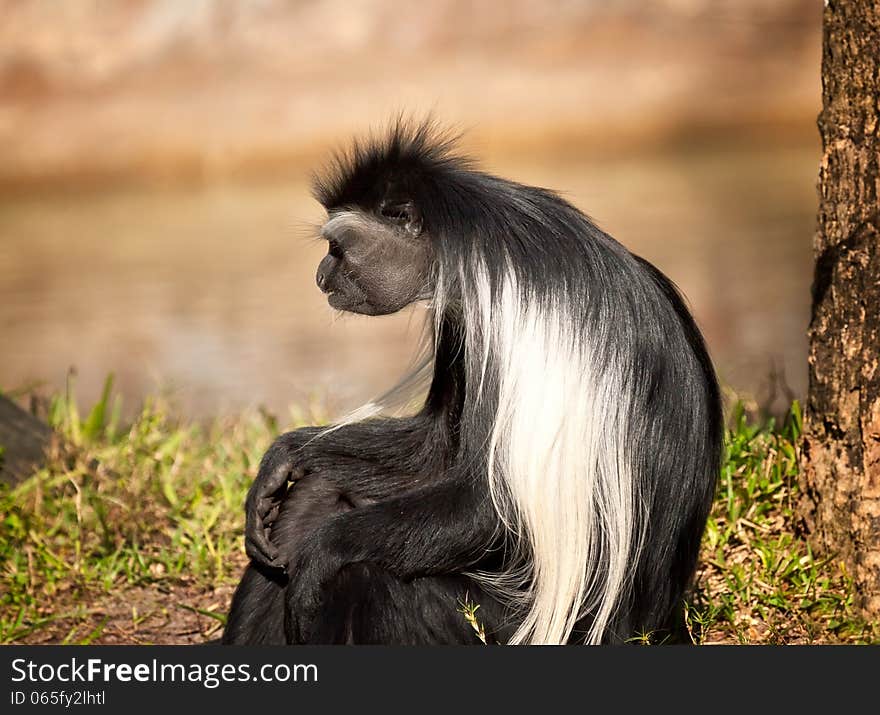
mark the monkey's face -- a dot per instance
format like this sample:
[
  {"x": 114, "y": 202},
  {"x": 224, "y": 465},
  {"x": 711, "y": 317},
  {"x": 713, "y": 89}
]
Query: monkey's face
[{"x": 378, "y": 261}]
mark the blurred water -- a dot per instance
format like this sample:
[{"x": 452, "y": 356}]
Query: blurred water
[{"x": 209, "y": 293}]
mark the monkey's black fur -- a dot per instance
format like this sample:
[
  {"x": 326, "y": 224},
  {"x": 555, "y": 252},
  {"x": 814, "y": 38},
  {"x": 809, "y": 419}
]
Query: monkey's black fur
[{"x": 386, "y": 520}]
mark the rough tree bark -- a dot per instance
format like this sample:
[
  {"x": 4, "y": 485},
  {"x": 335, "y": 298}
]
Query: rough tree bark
[
  {"x": 23, "y": 439},
  {"x": 841, "y": 449}
]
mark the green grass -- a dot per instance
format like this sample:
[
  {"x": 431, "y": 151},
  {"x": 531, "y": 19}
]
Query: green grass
[
  {"x": 134, "y": 534},
  {"x": 759, "y": 581},
  {"x": 155, "y": 504}
]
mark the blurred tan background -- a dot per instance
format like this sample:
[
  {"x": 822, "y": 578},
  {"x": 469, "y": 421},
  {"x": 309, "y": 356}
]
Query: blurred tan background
[{"x": 155, "y": 219}]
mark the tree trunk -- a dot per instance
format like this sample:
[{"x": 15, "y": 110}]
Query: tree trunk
[
  {"x": 23, "y": 439},
  {"x": 841, "y": 449}
]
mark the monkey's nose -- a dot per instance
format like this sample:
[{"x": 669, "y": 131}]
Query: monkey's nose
[{"x": 324, "y": 274}]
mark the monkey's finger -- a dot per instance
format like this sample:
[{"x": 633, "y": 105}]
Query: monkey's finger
[
  {"x": 260, "y": 549},
  {"x": 276, "y": 480},
  {"x": 266, "y": 507},
  {"x": 271, "y": 481},
  {"x": 272, "y": 514},
  {"x": 257, "y": 544},
  {"x": 296, "y": 473}
]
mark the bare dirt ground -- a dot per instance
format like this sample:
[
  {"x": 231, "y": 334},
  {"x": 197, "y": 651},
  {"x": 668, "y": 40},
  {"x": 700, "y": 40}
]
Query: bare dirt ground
[{"x": 163, "y": 613}]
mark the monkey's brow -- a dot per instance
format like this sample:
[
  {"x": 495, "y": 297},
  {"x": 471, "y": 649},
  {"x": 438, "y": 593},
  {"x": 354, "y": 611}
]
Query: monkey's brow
[
  {"x": 354, "y": 218},
  {"x": 365, "y": 224}
]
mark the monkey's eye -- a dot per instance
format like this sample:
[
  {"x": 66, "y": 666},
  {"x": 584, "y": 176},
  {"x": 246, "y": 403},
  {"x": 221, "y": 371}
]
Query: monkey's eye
[
  {"x": 396, "y": 212},
  {"x": 334, "y": 249}
]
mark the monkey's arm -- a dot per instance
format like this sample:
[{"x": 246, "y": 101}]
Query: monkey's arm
[
  {"x": 438, "y": 528},
  {"x": 366, "y": 461}
]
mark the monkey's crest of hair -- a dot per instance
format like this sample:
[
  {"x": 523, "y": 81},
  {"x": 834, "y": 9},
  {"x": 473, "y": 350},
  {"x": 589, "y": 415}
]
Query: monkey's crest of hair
[
  {"x": 564, "y": 339},
  {"x": 407, "y": 152}
]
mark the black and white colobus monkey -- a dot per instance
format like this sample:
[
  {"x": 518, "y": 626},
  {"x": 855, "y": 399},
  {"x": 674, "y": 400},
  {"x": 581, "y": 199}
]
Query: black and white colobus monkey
[{"x": 561, "y": 469}]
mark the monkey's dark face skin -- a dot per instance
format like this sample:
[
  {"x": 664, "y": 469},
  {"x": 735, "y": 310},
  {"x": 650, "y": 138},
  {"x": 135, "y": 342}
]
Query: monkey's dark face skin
[{"x": 377, "y": 261}]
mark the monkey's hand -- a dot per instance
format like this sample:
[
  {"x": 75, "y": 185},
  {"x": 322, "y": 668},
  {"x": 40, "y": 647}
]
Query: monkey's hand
[
  {"x": 364, "y": 460},
  {"x": 283, "y": 463}
]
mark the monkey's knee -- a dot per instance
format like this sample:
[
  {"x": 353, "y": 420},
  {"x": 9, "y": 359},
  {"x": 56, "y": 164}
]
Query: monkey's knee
[
  {"x": 357, "y": 607},
  {"x": 256, "y": 615},
  {"x": 353, "y": 602},
  {"x": 366, "y": 604}
]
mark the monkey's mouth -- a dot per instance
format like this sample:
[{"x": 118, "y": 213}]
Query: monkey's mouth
[
  {"x": 335, "y": 298},
  {"x": 341, "y": 300},
  {"x": 344, "y": 293},
  {"x": 351, "y": 300}
]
